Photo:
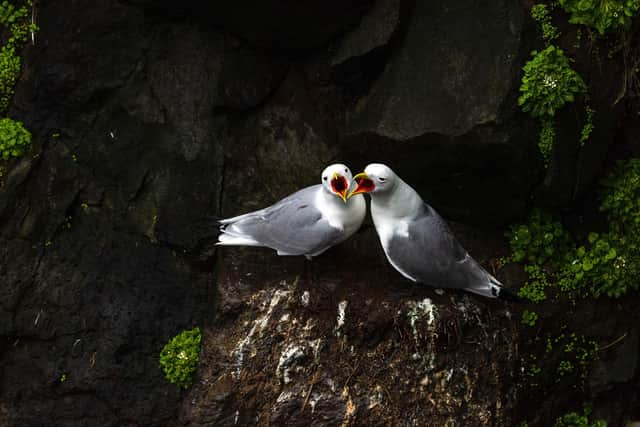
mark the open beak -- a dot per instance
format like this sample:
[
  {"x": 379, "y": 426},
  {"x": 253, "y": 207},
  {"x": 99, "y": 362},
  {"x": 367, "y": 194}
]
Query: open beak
[
  {"x": 339, "y": 186},
  {"x": 365, "y": 185}
]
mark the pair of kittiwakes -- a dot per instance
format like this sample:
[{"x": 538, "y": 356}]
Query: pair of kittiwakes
[{"x": 416, "y": 240}]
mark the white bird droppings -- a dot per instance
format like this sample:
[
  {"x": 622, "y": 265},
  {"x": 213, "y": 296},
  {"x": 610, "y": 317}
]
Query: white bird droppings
[
  {"x": 342, "y": 307},
  {"x": 287, "y": 358},
  {"x": 305, "y": 298}
]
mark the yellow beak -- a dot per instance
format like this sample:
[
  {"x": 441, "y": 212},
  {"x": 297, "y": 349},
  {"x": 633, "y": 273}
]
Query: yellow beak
[{"x": 359, "y": 189}]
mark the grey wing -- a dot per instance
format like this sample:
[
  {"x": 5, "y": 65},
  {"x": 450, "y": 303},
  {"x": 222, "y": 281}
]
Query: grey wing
[
  {"x": 293, "y": 226},
  {"x": 432, "y": 255}
]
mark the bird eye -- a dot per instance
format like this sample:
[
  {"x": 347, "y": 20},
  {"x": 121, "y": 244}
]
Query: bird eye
[
  {"x": 381, "y": 179},
  {"x": 324, "y": 177},
  {"x": 346, "y": 170}
]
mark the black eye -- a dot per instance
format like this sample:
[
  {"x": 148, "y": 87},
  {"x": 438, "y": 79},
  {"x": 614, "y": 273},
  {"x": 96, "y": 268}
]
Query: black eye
[
  {"x": 346, "y": 170},
  {"x": 381, "y": 179},
  {"x": 324, "y": 177}
]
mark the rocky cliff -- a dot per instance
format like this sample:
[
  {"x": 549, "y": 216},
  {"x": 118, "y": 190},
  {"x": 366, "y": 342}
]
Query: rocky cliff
[{"x": 151, "y": 119}]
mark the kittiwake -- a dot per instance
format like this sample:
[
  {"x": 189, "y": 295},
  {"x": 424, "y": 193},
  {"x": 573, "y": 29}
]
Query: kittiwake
[
  {"x": 416, "y": 240},
  {"x": 308, "y": 222}
]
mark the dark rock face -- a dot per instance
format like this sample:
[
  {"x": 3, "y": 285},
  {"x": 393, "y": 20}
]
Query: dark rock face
[
  {"x": 442, "y": 81},
  {"x": 372, "y": 35},
  {"x": 152, "y": 118},
  {"x": 447, "y": 99},
  {"x": 95, "y": 221},
  {"x": 279, "y": 25}
]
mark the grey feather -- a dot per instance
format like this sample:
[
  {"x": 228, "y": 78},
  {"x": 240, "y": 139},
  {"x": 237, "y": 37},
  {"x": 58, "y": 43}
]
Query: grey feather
[
  {"x": 292, "y": 226},
  {"x": 431, "y": 254}
]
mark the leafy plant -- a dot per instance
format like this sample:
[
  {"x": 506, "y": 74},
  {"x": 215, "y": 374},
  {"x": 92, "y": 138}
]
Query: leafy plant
[
  {"x": 179, "y": 357},
  {"x": 607, "y": 263},
  {"x": 529, "y": 318},
  {"x": 602, "y": 15},
  {"x": 575, "y": 419},
  {"x": 621, "y": 196},
  {"x": 539, "y": 240},
  {"x": 14, "y": 138},
  {"x": 548, "y": 83},
  {"x": 601, "y": 267}
]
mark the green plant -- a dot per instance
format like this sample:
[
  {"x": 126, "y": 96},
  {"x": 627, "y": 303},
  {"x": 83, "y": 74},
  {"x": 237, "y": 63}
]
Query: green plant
[
  {"x": 575, "y": 419},
  {"x": 540, "y": 14},
  {"x": 545, "y": 140},
  {"x": 621, "y": 196},
  {"x": 548, "y": 83},
  {"x": 534, "y": 288},
  {"x": 585, "y": 133},
  {"x": 539, "y": 240},
  {"x": 14, "y": 138},
  {"x": 529, "y": 317},
  {"x": 565, "y": 368},
  {"x": 601, "y": 267},
  {"x": 17, "y": 21},
  {"x": 179, "y": 357},
  {"x": 602, "y": 15},
  {"x": 607, "y": 263},
  {"x": 9, "y": 71}
]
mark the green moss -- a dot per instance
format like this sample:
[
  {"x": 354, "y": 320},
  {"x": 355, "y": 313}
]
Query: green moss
[
  {"x": 179, "y": 357},
  {"x": 540, "y": 13},
  {"x": 602, "y": 15},
  {"x": 9, "y": 72},
  {"x": 16, "y": 19},
  {"x": 548, "y": 83},
  {"x": 585, "y": 133},
  {"x": 14, "y": 138},
  {"x": 545, "y": 141}
]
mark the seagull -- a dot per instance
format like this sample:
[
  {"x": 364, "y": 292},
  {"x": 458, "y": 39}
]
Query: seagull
[
  {"x": 308, "y": 222},
  {"x": 416, "y": 240}
]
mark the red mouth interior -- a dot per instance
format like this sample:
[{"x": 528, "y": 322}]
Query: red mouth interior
[
  {"x": 365, "y": 184},
  {"x": 339, "y": 184}
]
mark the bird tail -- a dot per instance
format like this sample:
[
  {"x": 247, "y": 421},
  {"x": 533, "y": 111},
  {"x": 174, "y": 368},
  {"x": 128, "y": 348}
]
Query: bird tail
[
  {"x": 232, "y": 235},
  {"x": 226, "y": 239},
  {"x": 502, "y": 292},
  {"x": 494, "y": 289}
]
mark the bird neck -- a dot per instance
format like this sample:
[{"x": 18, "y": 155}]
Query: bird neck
[
  {"x": 328, "y": 198},
  {"x": 401, "y": 201}
]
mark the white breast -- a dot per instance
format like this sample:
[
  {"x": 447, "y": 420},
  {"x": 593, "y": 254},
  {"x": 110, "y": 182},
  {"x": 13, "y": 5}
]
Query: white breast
[
  {"x": 346, "y": 217},
  {"x": 389, "y": 227}
]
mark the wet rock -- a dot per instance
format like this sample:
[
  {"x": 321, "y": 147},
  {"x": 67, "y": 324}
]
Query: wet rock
[
  {"x": 439, "y": 81},
  {"x": 618, "y": 365},
  {"x": 276, "y": 150},
  {"x": 370, "y": 37},
  {"x": 444, "y": 102},
  {"x": 93, "y": 281}
]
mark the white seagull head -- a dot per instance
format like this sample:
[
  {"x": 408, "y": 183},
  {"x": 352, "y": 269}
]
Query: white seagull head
[
  {"x": 376, "y": 178},
  {"x": 336, "y": 179}
]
